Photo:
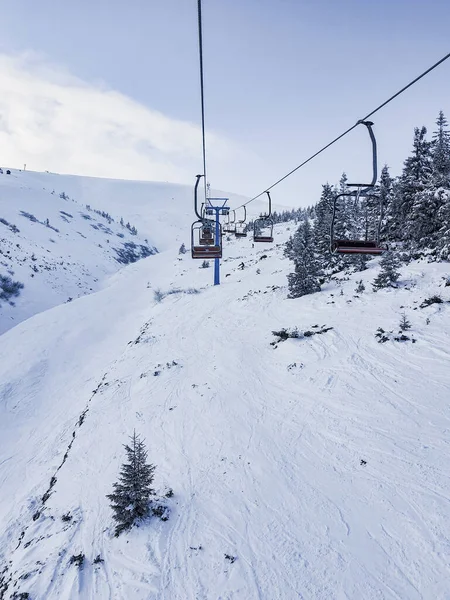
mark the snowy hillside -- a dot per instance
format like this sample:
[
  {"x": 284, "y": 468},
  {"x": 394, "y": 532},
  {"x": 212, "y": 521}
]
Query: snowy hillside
[
  {"x": 312, "y": 468},
  {"x": 58, "y": 248}
]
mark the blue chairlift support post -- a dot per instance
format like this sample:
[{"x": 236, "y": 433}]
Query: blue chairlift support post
[{"x": 218, "y": 210}]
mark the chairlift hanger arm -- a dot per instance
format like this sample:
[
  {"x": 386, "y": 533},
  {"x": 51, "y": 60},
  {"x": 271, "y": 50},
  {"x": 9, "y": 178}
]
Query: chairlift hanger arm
[
  {"x": 270, "y": 204},
  {"x": 369, "y": 124},
  {"x": 199, "y": 216}
]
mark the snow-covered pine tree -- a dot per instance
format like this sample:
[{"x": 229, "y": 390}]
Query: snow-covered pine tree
[
  {"x": 424, "y": 221},
  {"x": 131, "y": 496},
  {"x": 294, "y": 245},
  {"x": 414, "y": 179},
  {"x": 389, "y": 274},
  {"x": 385, "y": 191},
  {"x": 304, "y": 279},
  {"x": 440, "y": 148},
  {"x": 301, "y": 282},
  {"x": 443, "y": 237},
  {"x": 182, "y": 249},
  {"x": 322, "y": 224}
]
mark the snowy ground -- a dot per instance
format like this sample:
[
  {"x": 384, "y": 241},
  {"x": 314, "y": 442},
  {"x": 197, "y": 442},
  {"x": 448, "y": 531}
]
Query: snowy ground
[{"x": 321, "y": 464}]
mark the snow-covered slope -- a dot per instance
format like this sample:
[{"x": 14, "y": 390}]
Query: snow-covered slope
[
  {"x": 64, "y": 247},
  {"x": 319, "y": 463}
]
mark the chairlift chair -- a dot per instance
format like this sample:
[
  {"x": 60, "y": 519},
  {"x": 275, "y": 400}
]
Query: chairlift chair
[
  {"x": 240, "y": 226},
  {"x": 228, "y": 228},
  {"x": 203, "y": 244},
  {"x": 263, "y": 226},
  {"x": 202, "y": 247},
  {"x": 341, "y": 246}
]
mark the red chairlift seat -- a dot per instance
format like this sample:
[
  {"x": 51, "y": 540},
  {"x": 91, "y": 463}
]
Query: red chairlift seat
[
  {"x": 206, "y": 252},
  {"x": 268, "y": 239},
  {"x": 240, "y": 234},
  {"x": 357, "y": 247}
]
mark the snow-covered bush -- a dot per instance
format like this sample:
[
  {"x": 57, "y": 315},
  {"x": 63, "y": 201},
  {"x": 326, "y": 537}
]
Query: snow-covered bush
[
  {"x": 359, "y": 289},
  {"x": 9, "y": 288},
  {"x": 77, "y": 559}
]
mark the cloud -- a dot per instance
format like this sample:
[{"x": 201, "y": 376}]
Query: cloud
[{"x": 53, "y": 121}]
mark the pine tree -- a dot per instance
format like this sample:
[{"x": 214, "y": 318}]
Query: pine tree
[
  {"x": 304, "y": 280},
  {"x": 322, "y": 224},
  {"x": 131, "y": 496},
  {"x": 385, "y": 192},
  {"x": 423, "y": 222},
  {"x": 404, "y": 323},
  {"x": 415, "y": 178},
  {"x": 182, "y": 249},
  {"x": 443, "y": 239},
  {"x": 301, "y": 282},
  {"x": 388, "y": 275},
  {"x": 440, "y": 147}
]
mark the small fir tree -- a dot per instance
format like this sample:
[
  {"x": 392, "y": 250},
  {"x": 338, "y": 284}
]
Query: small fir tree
[
  {"x": 131, "y": 496},
  {"x": 404, "y": 323},
  {"x": 388, "y": 275},
  {"x": 205, "y": 264},
  {"x": 182, "y": 249}
]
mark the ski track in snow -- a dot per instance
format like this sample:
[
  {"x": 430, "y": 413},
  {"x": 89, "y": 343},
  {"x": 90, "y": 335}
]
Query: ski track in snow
[{"x": 265, "y": 461}]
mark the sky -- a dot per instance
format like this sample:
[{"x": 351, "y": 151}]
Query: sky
[{"x": 111, "y": 89}]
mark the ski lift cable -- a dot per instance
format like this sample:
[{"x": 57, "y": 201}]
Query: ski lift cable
[
  {"x": 202, "y": 90},
  {"x": 339, "y": 137}
]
